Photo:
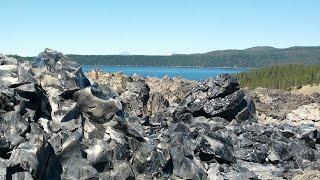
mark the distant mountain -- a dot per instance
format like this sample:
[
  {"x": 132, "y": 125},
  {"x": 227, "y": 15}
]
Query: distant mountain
[
  {"x": 260, "y": 56},
  {"x": 261, "y": 48}
]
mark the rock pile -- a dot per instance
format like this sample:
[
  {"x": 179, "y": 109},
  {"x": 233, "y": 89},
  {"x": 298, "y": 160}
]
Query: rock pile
[
  {"x": 56, "y": 124},
  {"x": 277, "y": 104},
  {"x": 172, "y": 89}
]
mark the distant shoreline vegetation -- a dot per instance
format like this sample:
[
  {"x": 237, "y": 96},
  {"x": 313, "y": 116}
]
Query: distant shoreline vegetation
[
  {"x": 167, "y": 66},
  {"x": 286, "y": 77},
  {"x": 255, "y": 57}
]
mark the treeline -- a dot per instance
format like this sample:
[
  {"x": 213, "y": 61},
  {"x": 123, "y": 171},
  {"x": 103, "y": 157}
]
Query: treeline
[
  {"x": 280, "y": 77},
  {"x": 252, "y": 57},
  {"x": 20, "y": 58}
]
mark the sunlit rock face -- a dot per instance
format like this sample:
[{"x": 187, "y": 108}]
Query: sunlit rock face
[{"x": 56, "y": 124}]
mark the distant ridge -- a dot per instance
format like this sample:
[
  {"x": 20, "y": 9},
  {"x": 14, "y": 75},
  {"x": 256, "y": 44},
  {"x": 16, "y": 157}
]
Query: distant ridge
[
  {"x": 261, "y": 48},
  {"x": 259, "y": 56}
]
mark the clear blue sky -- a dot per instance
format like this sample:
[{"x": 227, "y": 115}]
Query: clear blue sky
[{"x": 155, "y": 26}]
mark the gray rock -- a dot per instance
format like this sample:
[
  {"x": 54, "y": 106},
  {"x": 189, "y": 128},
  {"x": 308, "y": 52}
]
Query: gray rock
[
  {"x": 55, "y": 125},
  {"x": 56, "y": 64},
  {"x": 6, "y": 102},
  {"x": 22, "y": 175},
  {"x": 73, "y": 163},
  {"x": 273, "y": 157},
  {"x": 220, "y": 97},
  {"x": 136, "y": 98},
  {"x": 96, "y": 107},
  {"x": 12, "y": 131},
  {"x": 122, "y": 171},
  {"x": 156, "y": 103},
  {"x": 222, "y": 86},
  {"x": 225, "y": 106},
  {"x": 4, "y": 60},
  {"x": 213, "y": 172},
  {"x": 34, "y": 98},
  {"x": 215, "y": 147},
  {"x": 37, "y": 158}
]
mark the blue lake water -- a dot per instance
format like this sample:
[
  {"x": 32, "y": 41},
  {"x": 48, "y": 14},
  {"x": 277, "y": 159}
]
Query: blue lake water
[{"x": 190, "y": 73}]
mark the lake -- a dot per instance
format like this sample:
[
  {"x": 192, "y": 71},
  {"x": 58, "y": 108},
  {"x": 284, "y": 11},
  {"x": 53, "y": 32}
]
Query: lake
[{"x": 190, "y": 73}]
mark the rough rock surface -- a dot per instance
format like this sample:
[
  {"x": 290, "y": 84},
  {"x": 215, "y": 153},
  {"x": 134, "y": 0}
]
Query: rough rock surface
[
  {"x": 172, "y": 89},
  {"x": 305, "y": 114},
  {"x": 56, "y": 124},
  {"x": 278, "y": 103},
  {"x": 281, "y": 107}
]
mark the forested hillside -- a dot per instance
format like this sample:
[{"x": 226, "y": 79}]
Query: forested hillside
[
  {"x": 280, "y": 76},
  {"x": 252, "y": 57}
]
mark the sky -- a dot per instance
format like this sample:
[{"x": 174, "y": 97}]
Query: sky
[{"x": 155, "y": 27}]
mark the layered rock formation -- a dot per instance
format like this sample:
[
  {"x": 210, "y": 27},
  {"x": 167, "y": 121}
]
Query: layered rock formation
[{"x": 56, "y": 124}]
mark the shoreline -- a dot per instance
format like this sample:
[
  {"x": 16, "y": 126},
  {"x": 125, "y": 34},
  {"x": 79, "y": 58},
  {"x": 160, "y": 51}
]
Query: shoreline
[{"x": 204, "y": 67}]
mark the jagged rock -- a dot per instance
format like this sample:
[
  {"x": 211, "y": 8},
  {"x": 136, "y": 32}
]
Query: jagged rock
[
  {"x": 96, "y": 105},
  {"x": 12, "y": 131},
  {"x": 22, "y": 175},
  {"x": 306, "y": 114},
  {"x": 58, "y": 66},
  {"x": 156, "y": 103},
  {"x": 117, "y": 81},
  {"x": 264, "y": 171},
  {"x": 73, "y": 163},
  {"x": 172, "y": 89},
  {"x": 36, "y": 100},
  {"x": 222, "y": 86},
  {"x": 4, "y": 60},
  {"x": 6, "y": 102},
  {"x": 25, "y": 73},
  {"x": 212, "y": 146},
  {"x": 100, "y": 155},
  {"x": 55, "y": 124},
  {"x": 136, "y": 97},
  {"x": 224, "y": 104},
  {"x": 213, "y": 172},
  {"x": 38, "y": 158},
  {"x": 315, "y": 174},
  {"x": 122, "y": 171},
  {"x": 148, "y": 160},
  {"x": 273, "y": 106},
  {"x": 8, "y": 71},
  {"x": 273, "y": 157},
  {"x": 220, "y": 97}
]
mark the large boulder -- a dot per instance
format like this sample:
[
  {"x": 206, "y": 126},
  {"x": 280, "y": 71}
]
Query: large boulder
[
  {"x": 38, "y": 158},
  {"x": 136, "y": 98},
  {"x": 94, "y": 104},
  {"x": 219, "y": 97},
  {"x": 156, "y": 103},
  {"x": 13, "y": 129},
  {"x": 51, "y": 65}
]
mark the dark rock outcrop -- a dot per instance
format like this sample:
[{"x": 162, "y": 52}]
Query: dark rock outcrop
[
  {"x": 218, "y": 97},
  {"x": 136, "y": 98},
  {"x": 56, "y": 124}
]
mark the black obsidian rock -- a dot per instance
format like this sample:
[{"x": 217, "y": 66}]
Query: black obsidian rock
[{"x": 56, "y": 124}]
